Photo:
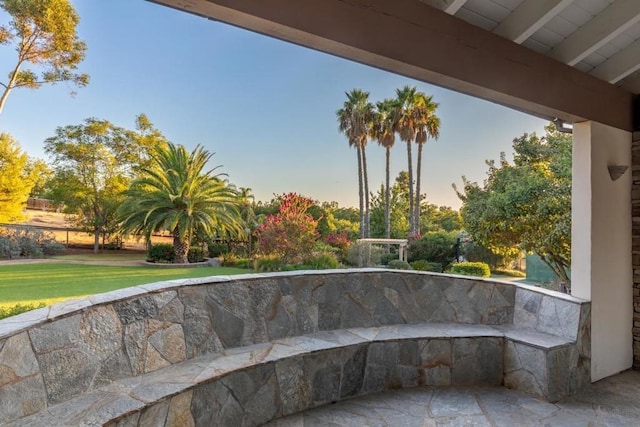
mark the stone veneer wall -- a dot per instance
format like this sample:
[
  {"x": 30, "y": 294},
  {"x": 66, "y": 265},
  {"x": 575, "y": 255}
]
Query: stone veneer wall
[
  {"x": 635, "y": 232},
  {"x": 54, "y": 354}
]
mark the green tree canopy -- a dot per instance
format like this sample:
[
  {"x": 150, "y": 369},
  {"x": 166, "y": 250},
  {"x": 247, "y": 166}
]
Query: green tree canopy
[
  {"x": 176, "y": 193},
  {"x": 43, "y": 33},
  {"x": 439, "y": 218},
  {"x": 398, "y": 211},
  {"x": 432, "y": 217},
  {"x": 18, "y": 176},
  {"x": 527, "y": 203},
  {"x": 94, "y": 163}
]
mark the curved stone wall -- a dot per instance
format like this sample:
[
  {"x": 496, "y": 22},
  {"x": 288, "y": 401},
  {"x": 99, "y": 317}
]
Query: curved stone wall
[{"x": 61, "y": 352}]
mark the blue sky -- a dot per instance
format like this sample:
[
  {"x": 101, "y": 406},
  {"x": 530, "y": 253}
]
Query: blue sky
[{"x": 265, "y": 107}]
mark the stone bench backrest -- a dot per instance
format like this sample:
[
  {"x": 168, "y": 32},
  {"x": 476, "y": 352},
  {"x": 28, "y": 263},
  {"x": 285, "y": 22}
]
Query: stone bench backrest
[{"x": 61, "y": 352}]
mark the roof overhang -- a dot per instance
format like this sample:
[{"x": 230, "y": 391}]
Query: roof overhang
[{"x": 417, "y": 40}]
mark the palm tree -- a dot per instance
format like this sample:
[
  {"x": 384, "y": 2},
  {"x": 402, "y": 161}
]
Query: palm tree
[
  {"x": 174, "y": 193},
  {"x": 429, "y": 128},
  {"x": 406, "y": 98},
  {"x": 384, "y": 131},
  {"x": 247, "y": 201},
  {"x": 416, "y": 121},
  {"x": 355, "y": 120}
]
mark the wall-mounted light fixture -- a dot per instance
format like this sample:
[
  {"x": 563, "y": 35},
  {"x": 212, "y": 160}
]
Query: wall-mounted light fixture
[
  {"x": 562, "y": 126},
  {"x": 616, "y": 171}
]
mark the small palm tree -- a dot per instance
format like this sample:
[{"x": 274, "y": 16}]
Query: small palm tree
[
  {"x": 174, "y": 193},
  {"x": 248, "y": 215},
  {"x": 384, "y": 131},
  {"x": 355, "y": 120}
]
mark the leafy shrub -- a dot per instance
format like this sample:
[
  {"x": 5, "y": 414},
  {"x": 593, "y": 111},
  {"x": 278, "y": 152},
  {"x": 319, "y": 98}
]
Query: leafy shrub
[
  {"x": 27, "y": 242},
  {"x": 291, "y": 233},
  {"x": 386, "y": 258},
  {"x": 341, "y": 243},
  {"x": 512, "y": 273},
  {"x": 338, "y": 240},
  {"x": 195, "y": 255},
  {"x": 19, "y": 308},
  {"x": 324, "y": 261},
  {"x": 479, "y": 269},
  {"x": 52, "y": 247},
  {"x": 321, "y": 247},
  {"x": 423, "y": 265},
  {"x": 397, "y": 264},
  {"x": 229, "y": 259},
  {"x": 216, "y": 249},
  {"x": 29, "y": 246},
  {"x": 269, "y": 263},
  {"x": 9, "y": 248},
  {"x": 114, "y": 245},
  {"x": 364, "y": 255},
  {"x": 232, "y": 260},
  {"x": 475, "y": 252},
  {"x": 244, "y": 263},
  {"x": 436, "y": 246},
  {"x": 162, "y": 252}
]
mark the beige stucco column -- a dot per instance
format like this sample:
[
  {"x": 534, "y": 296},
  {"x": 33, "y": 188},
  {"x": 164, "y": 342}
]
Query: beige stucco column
[{"x": 601, "y": 269}]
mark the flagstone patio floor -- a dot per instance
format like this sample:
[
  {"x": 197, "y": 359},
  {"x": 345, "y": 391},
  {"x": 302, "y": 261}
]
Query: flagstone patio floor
[{"x": 614, "y": 401}]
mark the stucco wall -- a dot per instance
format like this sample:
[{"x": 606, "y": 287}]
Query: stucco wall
[{"x": 601, "y": 243}]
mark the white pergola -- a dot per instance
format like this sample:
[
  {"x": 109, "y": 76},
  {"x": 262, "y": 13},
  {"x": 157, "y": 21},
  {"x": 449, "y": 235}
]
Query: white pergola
[{"x": 402, "y": 245}]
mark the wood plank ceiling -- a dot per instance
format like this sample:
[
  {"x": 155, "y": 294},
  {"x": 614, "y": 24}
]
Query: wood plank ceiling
[{"x": 598, "y": 37}]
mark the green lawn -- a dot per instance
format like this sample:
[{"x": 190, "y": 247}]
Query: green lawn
[
  {"x": 104, "y": 256},
  {"x": 49, "y": 283}
]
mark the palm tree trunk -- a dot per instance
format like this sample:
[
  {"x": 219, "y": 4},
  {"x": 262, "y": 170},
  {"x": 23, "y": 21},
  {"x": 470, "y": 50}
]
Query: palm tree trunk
[
  {"x": 367, "y": 222},
  {"x": 180, "y": 248},
  {"x": 417, "y": 202},
  {"x": 411, "y": 197},
  {"x": 360, "y": 190},
  {"x": 387, "y": 197}
]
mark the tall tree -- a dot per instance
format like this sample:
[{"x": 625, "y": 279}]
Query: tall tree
[
  {"x": 18, "y": 176},
  {"x": 384, "y": 131},
  {"x": 526, "y": 204},
  {"x": 432, "y": 217},
  {"x": 440, "y": 218},
  {"x": 429, "y": 127},
  {"x": 247, "y": 201},
  {"x": 355, "y": 120},
  {"x": 44, "y": 35},
  {"x": 94, "y": 163},
  {"x": 415, "y": 122},
  {"x": 407, "y": 99},
  {"x": 399, "y": 220},
  {"x": 177, "y": 194},
  {"x": 248, "y": 215}
]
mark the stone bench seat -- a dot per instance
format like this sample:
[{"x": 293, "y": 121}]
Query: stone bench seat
[
  {"x": 254, "y": 384},
  {"x": 190, "y": 352}
]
